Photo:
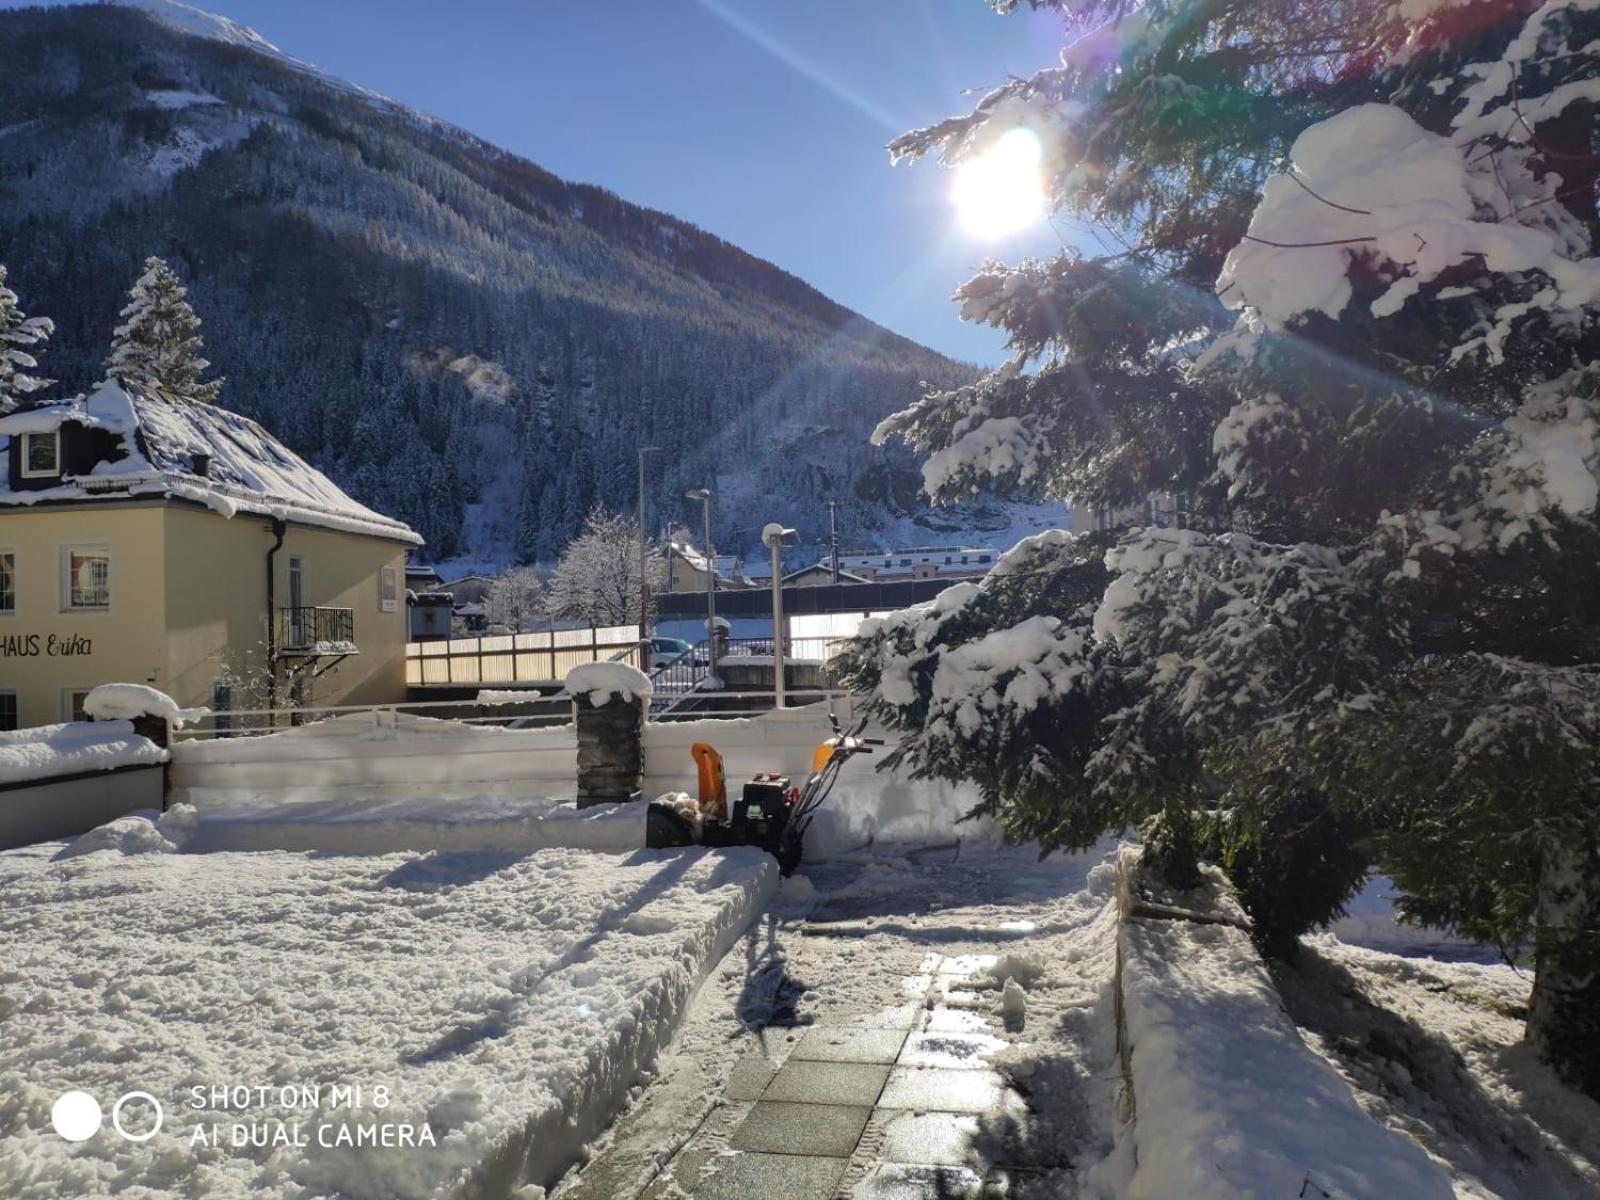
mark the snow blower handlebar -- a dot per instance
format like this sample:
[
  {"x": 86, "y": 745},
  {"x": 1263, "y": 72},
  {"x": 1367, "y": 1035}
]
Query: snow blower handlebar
[{"x": 826, "y": 763}]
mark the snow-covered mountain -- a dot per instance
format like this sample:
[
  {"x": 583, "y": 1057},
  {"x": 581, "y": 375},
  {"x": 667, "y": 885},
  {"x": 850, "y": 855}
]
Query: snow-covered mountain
[{"x": 457, "y": 336}]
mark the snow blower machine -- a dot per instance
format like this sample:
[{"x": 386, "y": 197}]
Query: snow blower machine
[{"x": 770, "y": 813}]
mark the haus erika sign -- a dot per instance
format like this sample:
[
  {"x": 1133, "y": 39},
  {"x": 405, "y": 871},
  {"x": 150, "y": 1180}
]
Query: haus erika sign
[{"x": 50, "y": 645}]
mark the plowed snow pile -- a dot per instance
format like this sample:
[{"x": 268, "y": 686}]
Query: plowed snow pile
[{"x": 505, "y": 1003}]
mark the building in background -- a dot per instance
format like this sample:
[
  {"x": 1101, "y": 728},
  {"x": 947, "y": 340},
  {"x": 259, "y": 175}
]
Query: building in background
[
  {"x": 687, "y": 569},
  {"x": 149, "y": 538},
  {"x": 917, "y": 562}
]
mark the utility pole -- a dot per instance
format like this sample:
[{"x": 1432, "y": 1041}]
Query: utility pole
[
  {"x": 644, "y": 570},
  {"x": 833, "y": 536}
]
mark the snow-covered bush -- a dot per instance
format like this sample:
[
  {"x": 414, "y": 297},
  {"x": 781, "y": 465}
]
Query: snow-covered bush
[{"x": 1348, "y": 317}]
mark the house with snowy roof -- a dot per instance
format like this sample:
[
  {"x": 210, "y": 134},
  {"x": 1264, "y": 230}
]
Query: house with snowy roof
[{"x": 150, "y": 538}]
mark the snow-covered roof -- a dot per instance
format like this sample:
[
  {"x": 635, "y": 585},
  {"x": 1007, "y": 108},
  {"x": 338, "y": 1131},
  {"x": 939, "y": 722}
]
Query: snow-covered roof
[
  {"x": 162, "y": 435},
  {"x": 825, "y": 565}
]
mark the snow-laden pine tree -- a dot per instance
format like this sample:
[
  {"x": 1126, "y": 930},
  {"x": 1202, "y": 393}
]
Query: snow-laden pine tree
[
  {"x": 1346, "y": 319},
  {"x": 158, "y": 343},
  {"x": 19, "y": 335},
  {"x": 597, "y": 577}
]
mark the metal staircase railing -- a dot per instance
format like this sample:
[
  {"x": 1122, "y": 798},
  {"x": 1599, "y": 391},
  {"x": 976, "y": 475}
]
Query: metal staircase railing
[{"x": 677, "y": 681}]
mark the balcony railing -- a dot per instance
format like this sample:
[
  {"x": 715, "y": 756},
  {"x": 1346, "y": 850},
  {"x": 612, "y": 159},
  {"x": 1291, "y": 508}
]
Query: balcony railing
[{"x": 316, "y": 631}]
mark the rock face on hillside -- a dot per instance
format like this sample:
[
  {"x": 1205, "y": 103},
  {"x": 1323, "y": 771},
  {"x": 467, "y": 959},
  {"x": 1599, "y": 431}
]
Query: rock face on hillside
[{"x": 458, "y": 337}]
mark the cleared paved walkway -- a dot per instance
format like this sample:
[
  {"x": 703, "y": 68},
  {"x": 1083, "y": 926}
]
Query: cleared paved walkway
[{"x": 890, "y": 1093}]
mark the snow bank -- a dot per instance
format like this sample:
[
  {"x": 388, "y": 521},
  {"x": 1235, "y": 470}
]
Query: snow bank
[
  {"x": 384, "y": 826},
  {"x": 505, "y": 1004},
  {"x": 1370, "y": 920},
  {"x": 379, "y": 756},
  {"x": 46, "y": 751},
  {"x": 136, "y": 833},
  {"x": 125, "y": 701},
  {"x": 1229, "y": 1101},
  {"x": 602, "y": 681}
]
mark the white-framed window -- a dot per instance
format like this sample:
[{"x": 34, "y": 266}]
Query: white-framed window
[
  {"x": 73, "y": 698},
  {"x": 85, "y": 578},
  {"x": 8, "y": 711},
  {"x": 8, "y": 581},
  {"x": 388, "y": 589},
  {"x": 41, "y": 455}
]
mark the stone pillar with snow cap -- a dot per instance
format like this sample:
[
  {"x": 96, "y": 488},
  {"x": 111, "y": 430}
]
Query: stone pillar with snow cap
[
  {"x": 609, "y": 702},
  {"x": 152, "y": 713}
]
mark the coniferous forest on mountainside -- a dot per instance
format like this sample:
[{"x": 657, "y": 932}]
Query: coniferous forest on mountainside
[{"x": 459, "y": 337}]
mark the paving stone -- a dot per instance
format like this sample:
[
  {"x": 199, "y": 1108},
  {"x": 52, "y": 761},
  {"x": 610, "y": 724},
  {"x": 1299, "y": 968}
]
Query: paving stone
[
  {"x": 899, "y": 1016},
  {"x": 836, "y": 1043},
  {"x": 828, "y": 1130},
  {"x": 749, "y": 1077},
  {"x": 957, "y": 1051},
  {"x": 968, "y": 964},
  {"x": 790, "y": 1176},
  {"x": 939, "y": 1089},
  {"x": 930, "y": 1138},
  {"x": 942, "y": 1019},
  {"x": 827, "y": 1083},
  {"x": 903, "y": 1181}
]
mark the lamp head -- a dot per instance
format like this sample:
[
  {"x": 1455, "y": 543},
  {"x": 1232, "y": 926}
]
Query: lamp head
[
  {"x": 774, "y": 535},
  {"x": 697, "y": 494}
]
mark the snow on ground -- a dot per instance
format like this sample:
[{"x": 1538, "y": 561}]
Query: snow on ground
[
  {"x": 503, "y": 1002},
  {"x": 51, "y": 750},
  {"x": 368, "y": 826},
  {"x": 859, "y": 940},
  {"x": 1229, "y": 1101},
  {"x": 1370, "y": 921},
  {"x": 1434, "y": 1048}
]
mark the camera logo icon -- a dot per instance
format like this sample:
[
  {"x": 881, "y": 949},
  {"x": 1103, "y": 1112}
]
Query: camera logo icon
[{"x": 77, "y": 1116}]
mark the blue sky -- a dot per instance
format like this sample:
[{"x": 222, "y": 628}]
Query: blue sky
[{"x": 762, "y": 121}]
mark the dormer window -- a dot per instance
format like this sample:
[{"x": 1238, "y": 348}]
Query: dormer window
[{"x": 41, "y": 455}]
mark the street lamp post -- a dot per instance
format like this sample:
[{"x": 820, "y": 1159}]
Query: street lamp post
[
  {"x": 773, "y": 535},
  {"x": 644, "y": 570},
  {"x": 704, "y": 496}
]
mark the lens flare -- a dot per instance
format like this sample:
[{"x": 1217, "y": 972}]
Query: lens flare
[{"x": 1001, "y": 191}]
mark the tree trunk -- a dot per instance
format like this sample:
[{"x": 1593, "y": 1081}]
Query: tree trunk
[{"x": 1564, "y": 1016}]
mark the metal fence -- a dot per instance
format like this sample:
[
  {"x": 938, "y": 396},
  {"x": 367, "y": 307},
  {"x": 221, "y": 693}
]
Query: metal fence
[{"x": 525, "y": 658}]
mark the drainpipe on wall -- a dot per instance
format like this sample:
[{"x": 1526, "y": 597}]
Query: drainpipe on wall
[{"x": 279, "y": 528}]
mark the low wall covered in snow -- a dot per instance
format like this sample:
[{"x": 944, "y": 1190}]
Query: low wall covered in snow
[
  {"x": 387, "y": 756},
  {"x": 356, "y": 785},
  {"x": 1226, "y": 1099},
  {"x": 379, "y": 754},
  {"x": 60, "y": 780}
]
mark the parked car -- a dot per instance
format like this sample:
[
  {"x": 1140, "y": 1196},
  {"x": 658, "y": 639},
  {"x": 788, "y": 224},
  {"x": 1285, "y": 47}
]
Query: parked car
[{"x": 668, "y": 651}]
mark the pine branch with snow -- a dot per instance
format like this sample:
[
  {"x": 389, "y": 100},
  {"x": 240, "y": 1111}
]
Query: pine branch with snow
[
  {"x": 1349, "y": 310},
  {"x": 158, "y": 343},
  {"x": 19, "y": 336}
]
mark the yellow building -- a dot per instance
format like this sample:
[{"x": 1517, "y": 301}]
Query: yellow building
[{"x": 148, "y": 538}]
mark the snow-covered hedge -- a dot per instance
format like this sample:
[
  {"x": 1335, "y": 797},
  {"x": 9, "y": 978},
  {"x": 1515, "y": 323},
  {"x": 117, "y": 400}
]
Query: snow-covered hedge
[{"x": 1229, "y": 1101}]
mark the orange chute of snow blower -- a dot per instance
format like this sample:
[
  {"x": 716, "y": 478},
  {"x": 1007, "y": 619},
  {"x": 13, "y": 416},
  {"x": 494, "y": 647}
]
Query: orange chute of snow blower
[{"x": 713, "y": 783}]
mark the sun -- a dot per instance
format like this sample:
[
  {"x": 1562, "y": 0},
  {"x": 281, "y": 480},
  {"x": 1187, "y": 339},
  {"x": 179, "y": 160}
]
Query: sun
[{"x": 1001, "y": 191}]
